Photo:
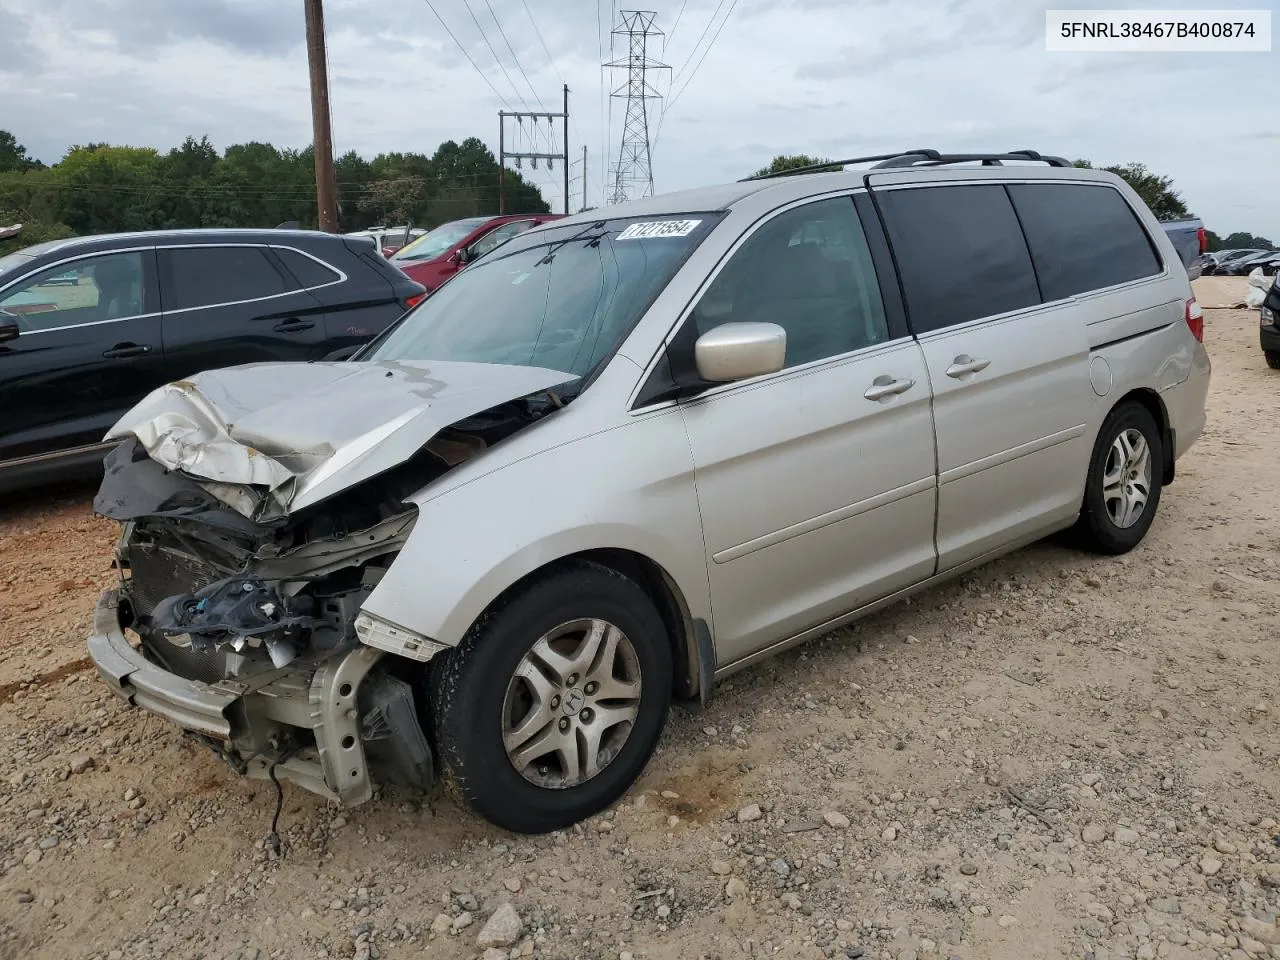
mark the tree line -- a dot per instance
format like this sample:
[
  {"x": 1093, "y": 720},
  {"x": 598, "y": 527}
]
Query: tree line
[
  {"x": 1155, "y": 190},
  {"x": 101, "y": 188}
]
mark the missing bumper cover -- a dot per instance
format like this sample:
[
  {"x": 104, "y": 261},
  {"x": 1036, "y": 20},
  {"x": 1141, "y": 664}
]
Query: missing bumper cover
[{"x": 362, "y": 722}]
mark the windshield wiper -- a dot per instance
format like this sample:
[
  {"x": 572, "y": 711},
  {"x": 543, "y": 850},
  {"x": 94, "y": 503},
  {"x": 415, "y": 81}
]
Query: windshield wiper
[{"x": 580, "y": 235}]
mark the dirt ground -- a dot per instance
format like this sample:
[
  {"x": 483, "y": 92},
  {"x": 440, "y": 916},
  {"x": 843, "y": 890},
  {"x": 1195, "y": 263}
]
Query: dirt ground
[{"x": 1059, "y": 756}]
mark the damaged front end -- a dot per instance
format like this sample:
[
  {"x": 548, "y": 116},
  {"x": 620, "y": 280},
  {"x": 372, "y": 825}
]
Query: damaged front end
[
  {"x": 246, "y": 634},
  {"x": 238, "y": 611}
]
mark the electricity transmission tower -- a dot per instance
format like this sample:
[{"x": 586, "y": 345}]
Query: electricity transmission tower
[{"x": 633, "y": 173}]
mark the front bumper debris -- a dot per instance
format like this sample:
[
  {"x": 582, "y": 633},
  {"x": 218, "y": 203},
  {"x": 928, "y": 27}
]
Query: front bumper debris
[{"x": 303, "y": 718}]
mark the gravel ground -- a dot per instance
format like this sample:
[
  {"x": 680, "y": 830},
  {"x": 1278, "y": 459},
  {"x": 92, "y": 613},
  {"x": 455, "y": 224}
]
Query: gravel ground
[{"x": 1058, "y": 756}]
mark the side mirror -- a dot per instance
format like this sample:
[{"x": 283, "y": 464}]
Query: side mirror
[
  {"x": 738, "y": 351},
  {"x": 9, "y": 329},
  {"x": 463, "y": 256}
]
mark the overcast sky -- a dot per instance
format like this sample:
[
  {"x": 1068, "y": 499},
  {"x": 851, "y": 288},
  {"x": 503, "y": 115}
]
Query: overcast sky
[{"x": 832, "y": 77}]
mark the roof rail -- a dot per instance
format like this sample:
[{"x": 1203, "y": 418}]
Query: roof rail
[
  {"x": 826, "y": 165},
  {"x": 933, "y": 159},
  {"x": 922, "y": 157}
]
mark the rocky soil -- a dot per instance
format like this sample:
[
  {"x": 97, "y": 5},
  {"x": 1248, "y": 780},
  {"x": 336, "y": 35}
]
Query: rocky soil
[{"x": 1059, "y": 756}]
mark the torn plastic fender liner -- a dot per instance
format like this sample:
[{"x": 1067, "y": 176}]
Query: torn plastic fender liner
[{"x": 271, "y": 438}]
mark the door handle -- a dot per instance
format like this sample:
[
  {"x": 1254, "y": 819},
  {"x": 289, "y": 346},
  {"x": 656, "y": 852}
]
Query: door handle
[
  {"x": 885, "y": 386},
  {"x": 293, "y": 325},
  {"x": 964, "y": 365},
  {"x": 122, "y": 350}
]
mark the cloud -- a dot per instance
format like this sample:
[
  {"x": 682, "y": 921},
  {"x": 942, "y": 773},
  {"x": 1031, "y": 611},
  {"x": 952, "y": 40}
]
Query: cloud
[{"x": 830, "y": 77}]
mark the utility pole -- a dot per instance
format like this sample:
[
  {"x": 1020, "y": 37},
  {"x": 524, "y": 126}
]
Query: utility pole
[
  {"x": 566, "y": 150},
  {"x": 633, "y": 173},
  {"x": 326, "y": 182},
  {"x": 520, "y": 116}
]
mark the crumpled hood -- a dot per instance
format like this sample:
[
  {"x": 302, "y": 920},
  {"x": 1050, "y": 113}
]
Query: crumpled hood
[{"x": 269, "y": 438}]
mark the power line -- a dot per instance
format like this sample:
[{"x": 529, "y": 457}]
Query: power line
[
  {"x": 545, "y": 48},
  {"x": 672, "y": 35},
  {"x": 702, "y": 36},
  {"x": 676, "y": 96},
  {"x": 511, "y": 50},
  {"x": 483, "y": 75},
  {"x": 496, "y": 59}
]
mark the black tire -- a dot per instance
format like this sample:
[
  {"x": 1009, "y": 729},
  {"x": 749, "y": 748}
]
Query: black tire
[
  {"x": 1273, "y": 358},
  {"x": 469, "y": 687},
  {"x": 1096, "y": 531}
]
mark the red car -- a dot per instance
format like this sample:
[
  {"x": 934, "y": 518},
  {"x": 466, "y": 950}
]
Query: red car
[{"x": 440, "y": 253}]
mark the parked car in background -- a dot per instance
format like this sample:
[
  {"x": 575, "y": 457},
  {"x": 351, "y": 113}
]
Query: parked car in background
[
  {"x": 624, "y": 456},
  {"x": 1222, "y": 258},
  {"x": 389, "y": 239},
  {"x": 1267, "y": 260},
  {"x": 89, "y": 326},
  {"x": 1269, "y": 325},
  {"x": 440, "y": 253}
]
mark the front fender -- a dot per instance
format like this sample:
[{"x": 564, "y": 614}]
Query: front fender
[{"x": 630, "y": 487}]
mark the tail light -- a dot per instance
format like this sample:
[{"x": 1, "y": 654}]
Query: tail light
[
  {"x": 1195, "y": 319},
  {"x": 417, "y": 298},
  {"x": 1203, "y": 238}
]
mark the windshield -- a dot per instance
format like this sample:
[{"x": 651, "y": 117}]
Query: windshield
[
  {"x": 435, "y": 242},
  {"x": 561, "y": 298}
]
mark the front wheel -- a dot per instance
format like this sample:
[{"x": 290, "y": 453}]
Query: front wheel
[
  {"x": 1273, "y": 358},
  {"x": 1122, "y": 491},
  {"x": 552, "y": 704}
]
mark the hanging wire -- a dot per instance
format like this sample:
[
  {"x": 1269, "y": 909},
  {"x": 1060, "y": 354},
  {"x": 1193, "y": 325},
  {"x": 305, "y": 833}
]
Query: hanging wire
[{"x": 458, "y": 44}]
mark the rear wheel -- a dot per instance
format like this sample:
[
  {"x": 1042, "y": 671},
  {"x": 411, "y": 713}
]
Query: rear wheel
[
  {"x": 1273, "y": 359},
  {"x": 1122, "y": 492},
  {"x": 551, "y": 706}
]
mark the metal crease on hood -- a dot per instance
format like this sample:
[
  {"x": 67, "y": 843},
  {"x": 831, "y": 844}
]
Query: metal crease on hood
[{"x": 270, "y": 438}]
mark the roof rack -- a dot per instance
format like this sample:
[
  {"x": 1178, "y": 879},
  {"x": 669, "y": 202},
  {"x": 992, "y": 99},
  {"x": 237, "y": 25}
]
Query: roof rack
[
  {"x": 922, "y": 156},
  {"x": 931, "y": 158}
]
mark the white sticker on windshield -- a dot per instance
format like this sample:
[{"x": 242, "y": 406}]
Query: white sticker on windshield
[{"x": 659, "y": 228}]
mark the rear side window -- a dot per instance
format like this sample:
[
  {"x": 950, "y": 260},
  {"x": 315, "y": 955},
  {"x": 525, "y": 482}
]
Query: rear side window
[
  {"x": 960, "y": 252},
  {"x": 204, "y": 276},
  {"x": 1082, "y": 237},
  {"x": 308, "y": 272}
]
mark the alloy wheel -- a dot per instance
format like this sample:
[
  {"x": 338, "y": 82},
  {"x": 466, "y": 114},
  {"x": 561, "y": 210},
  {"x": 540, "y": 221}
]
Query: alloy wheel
[
  {"x": 571, "y": 703},
  {"x": 1126, "y": 479}
]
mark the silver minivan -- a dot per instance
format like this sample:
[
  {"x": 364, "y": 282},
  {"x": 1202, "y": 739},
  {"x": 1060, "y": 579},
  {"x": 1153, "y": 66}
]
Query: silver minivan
[{"x": 632, "y": 452}]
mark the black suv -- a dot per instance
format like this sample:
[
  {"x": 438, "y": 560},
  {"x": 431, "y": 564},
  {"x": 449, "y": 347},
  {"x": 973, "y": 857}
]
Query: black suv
[{"x": 89, "y": 326}]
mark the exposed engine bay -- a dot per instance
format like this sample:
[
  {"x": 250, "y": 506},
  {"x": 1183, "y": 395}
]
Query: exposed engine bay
[{"x": 248, "y": 631}]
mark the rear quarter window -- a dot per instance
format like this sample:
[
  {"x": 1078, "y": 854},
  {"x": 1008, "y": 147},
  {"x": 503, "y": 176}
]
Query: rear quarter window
[
  {"x": 960, "y": 253},
  {"x": 1082, "y": 237},
  {"x": 308, "y": 272}
]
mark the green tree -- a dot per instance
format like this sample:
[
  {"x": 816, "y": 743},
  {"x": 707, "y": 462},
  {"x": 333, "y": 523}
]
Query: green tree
[
  {"x": 33, "y": 231},
  {"x": 100, "y": 187},
  {"x": 784, "y": 162},
  {"x": 13, "y": 155},
  {"x": 1155, "y": 190},
  {"x": 1245, "y": 241}
]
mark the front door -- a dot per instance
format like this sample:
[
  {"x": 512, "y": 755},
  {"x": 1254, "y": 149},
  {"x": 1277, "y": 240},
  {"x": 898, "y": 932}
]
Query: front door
[
  {"x": 1010, "y": 376},
  {"x": 816, "y": 484},
  {"x": 89, "y": 349}
]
